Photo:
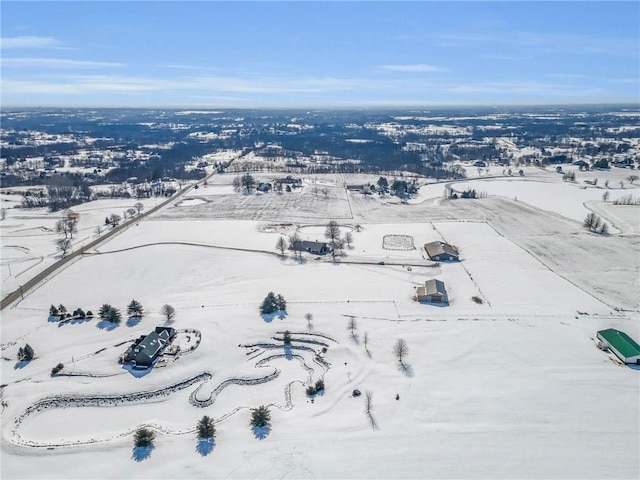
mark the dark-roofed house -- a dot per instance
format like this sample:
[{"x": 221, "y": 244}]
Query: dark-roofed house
[
  {"x": 439, "y": 251},
  {"x": 317, "y": 248},
  {"x": 147, "y": 348},
  {"x": 621, "y": 344},
  {"x": 433, "y": 291}
]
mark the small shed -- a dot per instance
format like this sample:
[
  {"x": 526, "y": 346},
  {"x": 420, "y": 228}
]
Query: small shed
[
  {"x": 440, "y": 251},
  {"x": 433, "y": 291},
  {"x": 621, "y": 344}
]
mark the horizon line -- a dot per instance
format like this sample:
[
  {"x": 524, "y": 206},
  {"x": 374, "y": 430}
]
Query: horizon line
[{"x": 626, "y": 103}]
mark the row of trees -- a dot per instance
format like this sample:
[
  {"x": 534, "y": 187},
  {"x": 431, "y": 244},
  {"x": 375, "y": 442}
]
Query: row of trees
[
  {"x": 332, "y": 233},
  {"x": 62, "y": 314},
  {"x": 110, "y": 313},
  {"x": 595, "y": 224},
  {"x": 205, "y": 428}
]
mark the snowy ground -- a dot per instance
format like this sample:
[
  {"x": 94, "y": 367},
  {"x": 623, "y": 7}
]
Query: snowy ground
[
  {"x": 513, "y": 387},
  {"x": 29, "y": 238}
]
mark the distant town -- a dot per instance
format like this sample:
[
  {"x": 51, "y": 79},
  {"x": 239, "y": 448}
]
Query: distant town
[{"x": 144, "y": 153}]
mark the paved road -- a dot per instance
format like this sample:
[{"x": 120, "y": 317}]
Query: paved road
[{"x": 21, "y": 291}]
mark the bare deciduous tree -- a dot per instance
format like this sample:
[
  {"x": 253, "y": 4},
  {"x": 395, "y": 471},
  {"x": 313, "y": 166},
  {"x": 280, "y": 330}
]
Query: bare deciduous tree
[
  {"x": 294, "y": 241},
  {"x": 368, "y": 402},
  {"x": 348, "y": 238},
  {"x": 281, "y": 245},
  {"x": 63, "y": 244},
  {"x": 352, "y": 326},
  {"x": 139, "y": 207},
  {"x": 168, "y": 312},
  {"x": 400, "y": 349},
  {"x": 308, "y": 317},
  {"x": 332, "y": 232}
]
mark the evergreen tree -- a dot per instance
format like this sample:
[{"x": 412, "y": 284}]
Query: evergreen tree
[
  {"x": 62, "y": 310},
  {"x": 89, "y": 314},
  {"x": 269, "y": 304},
  {"x": 114, "y": 315},
  {"x": 281, "y": 303},
  {"x": 53, "y": 311},
  {"x": 21, "y": 354},
  {"x": 103, "y": 313},
  {"x": 134, "y": 309},
  {"x": 144, "y": 437},
  {"x": 319, "y": 385},
  {"x": 27, "y": 353},
  {"x": 286, "y": 338},
  {"x": 206, "y": 428},
  {"x": 79, "y": 313},
  {"x": 260, "y": 417}
]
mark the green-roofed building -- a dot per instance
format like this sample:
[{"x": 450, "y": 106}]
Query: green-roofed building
[{"x": 625, "y": 348}]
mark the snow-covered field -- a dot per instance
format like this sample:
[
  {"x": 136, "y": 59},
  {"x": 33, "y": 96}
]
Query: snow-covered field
[
  {"x": 29, "y": 237},
  {"x": 512, "y": 387}
]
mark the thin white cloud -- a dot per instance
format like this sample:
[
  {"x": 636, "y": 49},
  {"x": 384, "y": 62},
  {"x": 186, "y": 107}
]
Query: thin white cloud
[
  {"x": 529, "y": 88},
  {"x": 625, "y": 80},
  {"x": 506, "y": 57},
  {"x": 410, "y": 68},
  {"x": 55, "y": 63},
  {"x": 29, "y": 42}
]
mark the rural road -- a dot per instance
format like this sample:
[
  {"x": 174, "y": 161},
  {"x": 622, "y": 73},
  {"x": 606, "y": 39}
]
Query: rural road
[{"x": 21, "y": 291}]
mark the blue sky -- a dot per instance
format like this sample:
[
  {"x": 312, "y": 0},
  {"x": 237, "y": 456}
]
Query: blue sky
[{"x": 318, "y": 54}]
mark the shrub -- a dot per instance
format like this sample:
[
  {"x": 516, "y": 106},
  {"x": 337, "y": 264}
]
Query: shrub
[{"x": 56, "y": 369}]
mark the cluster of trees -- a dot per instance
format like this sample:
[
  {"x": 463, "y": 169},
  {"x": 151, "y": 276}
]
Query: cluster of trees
[
  {"x": 317, "y": 388},
  {"x": 26, "y": 353},
  {"x": 627, "y": 200},
  {"x": 112, "y": 220},
  {"x": 273, "y": 303},
  {"x": 244, "y": 182},
  {"x": 61, "y": 312},
  {"x": 595, "y": 224},
  {"x": 57, "y": 197},
  {"x": 67, "y": 226},
  {"x": 109, "y": 313},
  {"x": 402, "y": 188}
]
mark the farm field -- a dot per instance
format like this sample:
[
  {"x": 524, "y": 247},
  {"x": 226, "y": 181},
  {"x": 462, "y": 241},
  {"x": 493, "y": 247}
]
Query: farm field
[{"x": 503, "y": 382}]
